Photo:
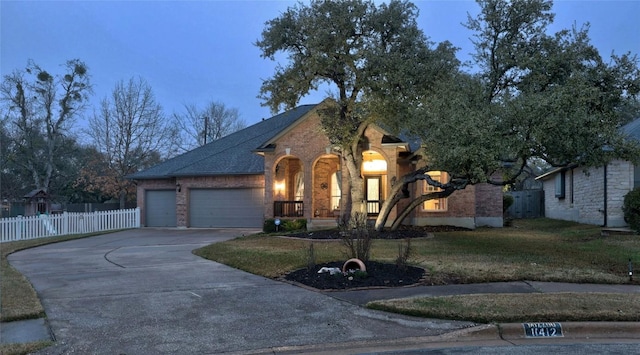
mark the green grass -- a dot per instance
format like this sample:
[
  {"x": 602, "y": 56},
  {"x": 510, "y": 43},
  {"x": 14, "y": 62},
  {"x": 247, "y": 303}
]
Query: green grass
[
  {"x": 266, "y": 255},
  {"x": 537, "y": 249},
  {"x": 537, "y": 307},
  {"x": 26, "y": 348}
]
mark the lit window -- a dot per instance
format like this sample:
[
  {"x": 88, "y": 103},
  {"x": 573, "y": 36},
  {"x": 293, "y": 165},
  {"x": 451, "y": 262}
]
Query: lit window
[
  {"x": 373, "y": 162},
  {"x": 336, "y": 190},
  {"x": 299, "y": 181},
  {"x": 439, "y": 204}
]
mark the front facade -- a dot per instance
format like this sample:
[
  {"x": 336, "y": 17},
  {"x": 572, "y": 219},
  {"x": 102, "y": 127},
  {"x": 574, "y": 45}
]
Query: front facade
[
  {"x": 285, "y": 167},
  {"x": 595, "y": 195}
]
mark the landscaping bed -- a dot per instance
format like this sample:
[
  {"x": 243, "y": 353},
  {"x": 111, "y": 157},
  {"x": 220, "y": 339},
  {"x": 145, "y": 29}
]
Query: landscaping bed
[
  {"x": 377, "y": 275},
  {"x": 401, "y": 233}
]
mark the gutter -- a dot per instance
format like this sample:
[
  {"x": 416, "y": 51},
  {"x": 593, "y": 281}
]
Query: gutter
[{"x": 604, "y": 210}]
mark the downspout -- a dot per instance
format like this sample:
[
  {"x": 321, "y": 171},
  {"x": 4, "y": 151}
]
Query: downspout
[{"x": 604, "y": 210}]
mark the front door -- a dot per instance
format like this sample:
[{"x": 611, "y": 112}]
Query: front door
[{"x": 373, "y": 194}]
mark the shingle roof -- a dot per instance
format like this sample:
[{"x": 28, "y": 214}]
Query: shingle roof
[
  {"x": 632, "y": 129},
  {"x": 230, "y": 155}
]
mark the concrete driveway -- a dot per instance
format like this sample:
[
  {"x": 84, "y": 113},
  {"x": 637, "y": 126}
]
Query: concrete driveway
[{"x": 144, "y": 292}]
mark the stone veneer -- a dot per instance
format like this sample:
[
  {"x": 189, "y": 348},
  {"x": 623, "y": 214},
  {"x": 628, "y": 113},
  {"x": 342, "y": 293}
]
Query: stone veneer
[{"x": 584, "y": 194}]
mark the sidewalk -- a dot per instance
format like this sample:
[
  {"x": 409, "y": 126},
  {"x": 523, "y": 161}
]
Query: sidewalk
[{"x": 37, "y": 329}]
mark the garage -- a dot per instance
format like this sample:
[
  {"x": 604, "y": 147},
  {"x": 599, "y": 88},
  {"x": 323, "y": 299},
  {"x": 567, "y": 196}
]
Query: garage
[
  {"x": 160, "y": 208},
  {"x": 226, "y": 208}
]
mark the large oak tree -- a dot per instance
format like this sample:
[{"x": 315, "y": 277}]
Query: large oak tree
[
  {"x": 530, "y": 96},
  {"x": 359, "y": 50}
]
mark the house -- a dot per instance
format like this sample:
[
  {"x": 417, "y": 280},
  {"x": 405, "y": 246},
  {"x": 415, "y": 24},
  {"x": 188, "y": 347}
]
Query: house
[
  {"x": 594, "y": 195},
  {"x": 286, "y": 167},
  {"x": 36, "y": 202}
]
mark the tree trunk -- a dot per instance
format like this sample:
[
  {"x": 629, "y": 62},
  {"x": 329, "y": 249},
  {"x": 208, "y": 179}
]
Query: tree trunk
[
  {"x": 356, "y": 181},
  {"x": 123, "y": 198},
  {"x": 398, "y": 192},
  {"x": 417, "y": 202}
]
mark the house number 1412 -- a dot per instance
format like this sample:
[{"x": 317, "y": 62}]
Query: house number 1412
[{"x": 537, "y": 330}]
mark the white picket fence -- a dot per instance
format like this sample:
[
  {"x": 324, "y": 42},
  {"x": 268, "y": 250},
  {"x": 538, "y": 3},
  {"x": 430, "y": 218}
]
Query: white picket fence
[{"x": 23, "y": 228}]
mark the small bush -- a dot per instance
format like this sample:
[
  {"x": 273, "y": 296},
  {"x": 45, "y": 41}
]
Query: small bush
[
  {"x": 356, "y": 236},
  {"x": 294, "y": 224},
  {"x": 631, "y": 209},
  {"x": 404, "y": 252},
  {"x": 311, "y": 258},
  {"x": 286, "y": 225},
  {"x": 507, "y": 201}
]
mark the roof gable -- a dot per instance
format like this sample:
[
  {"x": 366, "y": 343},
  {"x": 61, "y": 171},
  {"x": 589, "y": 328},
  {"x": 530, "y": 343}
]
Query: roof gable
[{"x": 271, "y": 142}]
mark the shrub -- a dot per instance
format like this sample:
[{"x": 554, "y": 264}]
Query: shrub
[
  {"x": 356, "y": 236},
  {"x": 631, "y": 209},
  {"x": 290, "y": 225},
  {"x": 286, "y": 225},
  {"x": 507, "y": 201},
  {"x": 404, "y": 252}
]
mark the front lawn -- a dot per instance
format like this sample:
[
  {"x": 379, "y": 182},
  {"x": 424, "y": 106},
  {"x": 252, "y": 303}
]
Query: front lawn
[{"x": 535, "y": 249}]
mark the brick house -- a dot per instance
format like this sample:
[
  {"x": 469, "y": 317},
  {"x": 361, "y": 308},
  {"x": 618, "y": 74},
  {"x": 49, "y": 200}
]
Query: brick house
[
  {"x": 592, "y": 196},
  {"x": 285, "y": 167}
]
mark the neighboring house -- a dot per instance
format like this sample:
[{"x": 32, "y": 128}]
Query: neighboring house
[
  {"x": 285, "y": 167},
  {"x": 36, "y": 202},
  {"x": 595, "y": 195}
]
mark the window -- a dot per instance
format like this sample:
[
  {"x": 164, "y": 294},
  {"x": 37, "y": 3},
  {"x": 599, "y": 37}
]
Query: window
[
  {"x": 560, "y": 188},
  {"x": 636, "y": 177},
  {"x": 299, "y": 180},
  {"x": 439, "y": 204},
  {"x": 336, "y": 190}
]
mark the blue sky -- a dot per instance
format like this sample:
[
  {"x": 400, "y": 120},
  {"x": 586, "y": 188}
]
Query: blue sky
[{"x": 202, "y": 51}]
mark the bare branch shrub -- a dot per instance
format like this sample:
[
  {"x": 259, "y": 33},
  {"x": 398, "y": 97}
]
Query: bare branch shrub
[{"x": 356, "y": 235}]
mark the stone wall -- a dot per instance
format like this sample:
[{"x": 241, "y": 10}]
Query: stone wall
[{"x": 584, "y": 195}]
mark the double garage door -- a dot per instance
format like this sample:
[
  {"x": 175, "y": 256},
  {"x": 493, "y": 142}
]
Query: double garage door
[
  {"x": 208, "y": 208},
  {"x": 226, "y": 208}
]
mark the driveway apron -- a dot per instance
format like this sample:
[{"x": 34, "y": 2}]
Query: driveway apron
[{"x": 144, "y": 292}]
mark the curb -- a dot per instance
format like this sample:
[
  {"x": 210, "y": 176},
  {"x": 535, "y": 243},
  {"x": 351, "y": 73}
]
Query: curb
[
  {"x": 570, "y": 330},
  {"x": 508, "y": 334}
]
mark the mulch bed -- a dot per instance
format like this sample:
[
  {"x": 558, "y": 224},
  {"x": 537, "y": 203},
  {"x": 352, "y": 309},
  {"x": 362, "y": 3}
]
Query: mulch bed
[{"x": 377, "y": 275}]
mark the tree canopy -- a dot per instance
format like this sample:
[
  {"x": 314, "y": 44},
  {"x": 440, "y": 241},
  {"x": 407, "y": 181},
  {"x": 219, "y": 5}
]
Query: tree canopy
[
  {"x": 531, "y": 96},
  {"x": 201, "y": 126},
  {"x": 360, "y": 50},
  {"x": 131, "y": 132},
  {"x": 40, "y": 108}
]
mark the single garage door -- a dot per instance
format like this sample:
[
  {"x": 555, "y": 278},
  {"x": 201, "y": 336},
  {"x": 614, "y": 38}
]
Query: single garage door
[
  {"x": 226, "y": 208},
  {"x": 160, "y": 207}
]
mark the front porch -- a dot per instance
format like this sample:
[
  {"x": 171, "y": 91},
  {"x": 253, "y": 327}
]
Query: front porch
[{"x": 292, "y": 198}]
